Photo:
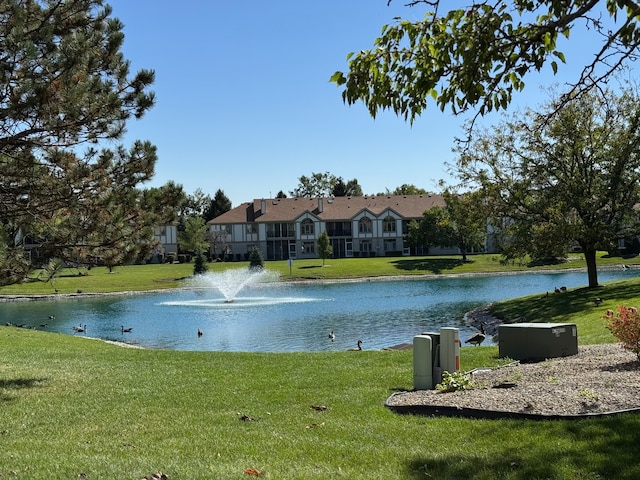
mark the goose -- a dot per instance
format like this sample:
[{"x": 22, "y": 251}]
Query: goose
[
  {"x": 332, "y": 335},
  {"x": 200, "y": 332},
  {"x": 125, "y": 330},
  {"x": 478, "y": 338},
  {"x": 80, "y": 328},
  {"x": 358, "y": 348},
  {"x": 597, "y": 301},
  {"x": 52, "y": 317}
]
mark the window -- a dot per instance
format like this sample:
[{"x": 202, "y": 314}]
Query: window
[
  {"x": 365, "y": 246},
  {"x": 280, "y": 230},
  {"x": 365, "y": 225},
  {"x": 308, "y": 248},
  {"x": 251, "y": 228},
  {"x": 389, "y": 225},
  {"x": 306, "y": 227},
  {"x": 390, "y": 245}
]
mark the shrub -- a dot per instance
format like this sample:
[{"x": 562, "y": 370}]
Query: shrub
[
  {"x": 625, "y": 326},
  {"x": 454, "y": 382}
]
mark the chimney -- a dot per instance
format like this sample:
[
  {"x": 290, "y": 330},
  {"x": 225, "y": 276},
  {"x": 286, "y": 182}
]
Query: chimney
[
  {"x": 319, "y": 204},
  {"x": 263, "y": 206}
]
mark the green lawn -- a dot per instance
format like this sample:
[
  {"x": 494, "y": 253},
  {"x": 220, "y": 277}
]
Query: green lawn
[
  {"x": 148, "y": 277},
  {"x": 73, "y": 407}
]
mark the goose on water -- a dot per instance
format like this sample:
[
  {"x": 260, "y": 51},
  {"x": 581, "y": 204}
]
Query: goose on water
[
  {"x": 125, "y": 330},
  {"x": 358, "y": 348},
  {"x": 332, "y": 335}
]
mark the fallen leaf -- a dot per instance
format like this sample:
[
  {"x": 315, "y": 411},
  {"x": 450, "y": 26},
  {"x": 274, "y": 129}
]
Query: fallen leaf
[
  {"x": 253, "y": 471},
  {"x": 315, "y": 425}
]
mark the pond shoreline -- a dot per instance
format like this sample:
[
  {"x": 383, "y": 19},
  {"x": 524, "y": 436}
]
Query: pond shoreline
[{"x": 383, "y": 278}]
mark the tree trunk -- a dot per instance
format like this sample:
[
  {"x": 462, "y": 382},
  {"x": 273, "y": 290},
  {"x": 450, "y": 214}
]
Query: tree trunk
[{"x": 592, "y": 269}]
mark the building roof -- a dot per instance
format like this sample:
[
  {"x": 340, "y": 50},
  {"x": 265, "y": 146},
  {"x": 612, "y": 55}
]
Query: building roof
[{"x": 327, "y": 208}]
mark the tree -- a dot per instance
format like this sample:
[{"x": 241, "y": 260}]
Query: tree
[
  {"x": 349, "y": 189},
  {"x": 217, "y": 206},
  {"x": 195, "y": 205},
  {"x": 478, "y": 56},
  {"x": 407, "y": 189},
  {"x": 325, "y": 249},
  {"x": 431, "y": 230},
  {"x": 199, "y": 263},
  {"x": 193, "y": 238},
  {"x": 466, "y": 221},
  {"x": 66, "y": 93},
  {"x": 256, "y": 261},
  {"x": 569, "y": 176},
  {"x": 318, "y": 185}
]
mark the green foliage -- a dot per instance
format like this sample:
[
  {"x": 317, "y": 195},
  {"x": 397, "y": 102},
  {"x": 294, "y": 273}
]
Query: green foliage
[
  {"x": 407, "y": 189},
  {"x": 67, "y": 95},
  {"x": 454, "y": 382},
  {"x": 199, "y": 263},
  {"x": 325, "y": 250},
  {"x": 479, "y": 55},
  {"x": 350, "y": 189},
  {"x": 255, "y": 259},
  {"x": 193, "y": 238},
  {"x": 219, "y": 204},
  {"x": 554, "y": 176},
  {"x": 625, "y": 326},
  {"x": 51, "y": 269},
  {"x": 466, "y": 217},
  {"x": 317, "y": 185}
]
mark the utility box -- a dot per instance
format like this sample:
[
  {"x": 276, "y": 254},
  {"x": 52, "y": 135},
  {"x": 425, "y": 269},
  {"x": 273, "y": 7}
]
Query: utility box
[
  {"x": 537, "y": 341},
  {"x": 434, "y": 353}
]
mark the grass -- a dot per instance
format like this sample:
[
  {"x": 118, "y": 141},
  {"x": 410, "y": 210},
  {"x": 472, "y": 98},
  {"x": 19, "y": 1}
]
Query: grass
[
  {"x": 73, "y": 407},
  {"x": 149, "y": 277},
  {"x": 76, "y": 408}
]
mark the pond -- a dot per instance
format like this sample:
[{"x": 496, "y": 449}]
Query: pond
[{"x": 272, "y": 316}]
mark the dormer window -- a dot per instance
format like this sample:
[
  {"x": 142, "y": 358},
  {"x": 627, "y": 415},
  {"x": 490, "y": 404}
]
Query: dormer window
[{"x": 365, "y": 225}]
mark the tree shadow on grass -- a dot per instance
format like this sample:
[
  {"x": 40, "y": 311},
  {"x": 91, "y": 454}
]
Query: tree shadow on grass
[
  {"x": 568, "y": 303},
  {"x": 7, "y": 385},
  {"x": 433, "y": 265},
  {"x": 615, "y": 438}
]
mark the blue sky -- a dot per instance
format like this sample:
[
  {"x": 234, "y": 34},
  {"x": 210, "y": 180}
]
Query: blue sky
[{"x": 244, "y": 103}]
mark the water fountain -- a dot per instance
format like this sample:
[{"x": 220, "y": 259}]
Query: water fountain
[{"x": 233, "y": 280}]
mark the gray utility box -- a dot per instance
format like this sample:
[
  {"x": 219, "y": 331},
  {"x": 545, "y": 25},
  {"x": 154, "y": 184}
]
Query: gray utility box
[{"x": 537, "y": 341}]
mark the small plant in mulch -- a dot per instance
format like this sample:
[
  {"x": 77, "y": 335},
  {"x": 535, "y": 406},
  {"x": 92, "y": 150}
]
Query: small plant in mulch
[
  {"x": 625, "y": 326},
  {"x": 454, "y": 382}
]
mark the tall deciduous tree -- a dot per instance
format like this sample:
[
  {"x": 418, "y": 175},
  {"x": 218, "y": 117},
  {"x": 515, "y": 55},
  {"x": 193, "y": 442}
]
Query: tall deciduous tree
[
  {"x": 317, "y": 185},
  {"x": 573, "y": 176},
  {"x": 193, "y": 238},
  {"x": 479, "y": 55},
  {"x": 407, "y": 189},
  {"x": 66, "y": 93},
  {"x": 466, "y": 221}
]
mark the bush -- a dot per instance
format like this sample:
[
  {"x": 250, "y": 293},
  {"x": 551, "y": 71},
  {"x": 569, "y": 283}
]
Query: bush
[
  {"x": 625, "y": 326},
  {"x": 454, "y": 382}
]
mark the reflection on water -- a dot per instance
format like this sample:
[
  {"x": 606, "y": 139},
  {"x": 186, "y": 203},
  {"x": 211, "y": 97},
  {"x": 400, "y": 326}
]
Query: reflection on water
[{"x": 277, "y": 317}]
